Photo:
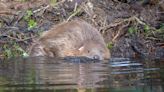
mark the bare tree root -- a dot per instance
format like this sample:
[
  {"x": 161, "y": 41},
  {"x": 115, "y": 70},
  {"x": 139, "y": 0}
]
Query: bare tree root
[{"x": 120, "y": 25}]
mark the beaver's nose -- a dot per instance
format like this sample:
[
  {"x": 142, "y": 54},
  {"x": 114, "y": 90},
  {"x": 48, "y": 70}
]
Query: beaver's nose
[{"x": 96, "y": 57}]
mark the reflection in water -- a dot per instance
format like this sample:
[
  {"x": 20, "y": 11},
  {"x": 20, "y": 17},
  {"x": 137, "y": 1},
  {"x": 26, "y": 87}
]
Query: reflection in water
[{"x": 74, "y": 75}]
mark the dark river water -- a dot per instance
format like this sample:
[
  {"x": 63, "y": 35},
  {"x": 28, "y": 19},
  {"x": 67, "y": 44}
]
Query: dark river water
[{"x": 81, "y": 75}]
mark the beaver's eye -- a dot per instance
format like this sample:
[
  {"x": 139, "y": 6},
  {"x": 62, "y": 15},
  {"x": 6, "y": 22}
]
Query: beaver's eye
[{"x": 88, "y": 51}]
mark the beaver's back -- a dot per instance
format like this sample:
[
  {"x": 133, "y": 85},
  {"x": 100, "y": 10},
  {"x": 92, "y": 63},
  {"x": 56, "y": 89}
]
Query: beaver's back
[
  {"x": 74, "y": 31},
  {"x": 65, "y": 39}
]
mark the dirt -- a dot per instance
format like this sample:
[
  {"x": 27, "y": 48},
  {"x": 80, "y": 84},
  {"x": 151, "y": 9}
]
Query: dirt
[{"x": 131, "y": 28}]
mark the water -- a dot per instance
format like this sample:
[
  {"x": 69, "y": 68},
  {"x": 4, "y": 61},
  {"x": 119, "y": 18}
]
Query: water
[{"x": 76, "y": 75}]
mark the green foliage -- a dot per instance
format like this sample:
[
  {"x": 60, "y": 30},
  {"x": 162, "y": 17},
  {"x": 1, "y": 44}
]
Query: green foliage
[
  {"x": 7, "y": 51},
  {"x": 28, "y": 15},
  {"x": 110, "y": 45},
  {"x": 146, "y": 28},
  {"x": 53, "y": 2},
  {"x": 74, "y": 13},
  {"x": 13, "y": 51},
  {"x": 31, "y": 23},
  {"x": 19, "y": 49},
  {"x": 162, "y": 26},
  {"x": 132, "y": 30}
]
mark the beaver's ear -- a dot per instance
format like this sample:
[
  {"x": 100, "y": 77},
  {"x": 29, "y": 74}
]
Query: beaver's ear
[{"x": 81, "y": 48}]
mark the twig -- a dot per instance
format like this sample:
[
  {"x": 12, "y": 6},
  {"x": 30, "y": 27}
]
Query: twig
[
  {"x": 138, "y": 20},
  {"x": 74, "y": 14},
  {"x": 60, "y": 2},
  {"x": 125, "y": 20},
  {"x": 18, "y": 40},
  {"x": 75, "y": 8},
  {"x": 7, "y": 13},
  {"x": 119, "y": 32},
  {"x": 42, "y": 8}
]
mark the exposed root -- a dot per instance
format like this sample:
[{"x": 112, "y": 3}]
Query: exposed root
[
  {"x": 17, "y": 39},
  {"x": 74, "y": 14},
  {"x": 42, "y": 9},
  {"x": 134, "y": 18},
  {"x": 119, "y": 31}
]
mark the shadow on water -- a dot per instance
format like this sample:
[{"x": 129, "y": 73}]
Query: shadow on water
[{"x": 75, "y": 75}]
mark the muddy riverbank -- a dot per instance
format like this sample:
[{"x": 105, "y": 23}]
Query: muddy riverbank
[{"x": 131, "y": 28}]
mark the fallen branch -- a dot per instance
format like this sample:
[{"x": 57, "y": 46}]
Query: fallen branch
[
  {"x": 41, "y": 9},
  {"x": 119, "y": 32},
  {"x": 134, "y": 18},
  {"x": 74, "y": 14},
  {"x": 17, "y": 40}
]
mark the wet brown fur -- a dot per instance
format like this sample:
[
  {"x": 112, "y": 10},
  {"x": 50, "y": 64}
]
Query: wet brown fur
[{"x": 74, "y": 38}]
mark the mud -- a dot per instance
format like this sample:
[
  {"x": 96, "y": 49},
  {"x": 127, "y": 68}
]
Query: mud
[{"x": 113, "y": 18}]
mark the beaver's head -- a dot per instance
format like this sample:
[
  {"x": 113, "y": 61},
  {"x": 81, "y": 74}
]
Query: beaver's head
[{"x": 94, "y": 50}]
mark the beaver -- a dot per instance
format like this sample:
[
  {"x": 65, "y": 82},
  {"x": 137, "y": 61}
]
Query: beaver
[{"x": 73, "y": 38}]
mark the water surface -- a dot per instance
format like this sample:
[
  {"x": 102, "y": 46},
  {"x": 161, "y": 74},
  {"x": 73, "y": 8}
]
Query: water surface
[{"x": 81, "y": 75}]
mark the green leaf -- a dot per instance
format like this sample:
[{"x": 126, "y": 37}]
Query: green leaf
[
  {"x": 28, "y": 15},
  {"x": 31, "y": 24},
  {"x": 162, "y": 26},
  {"x": 132, "y": 30},
  {"x": 146, "y": 28},
  {"x": 53, "y": 2},
  {"x": 110, "y": 45}
]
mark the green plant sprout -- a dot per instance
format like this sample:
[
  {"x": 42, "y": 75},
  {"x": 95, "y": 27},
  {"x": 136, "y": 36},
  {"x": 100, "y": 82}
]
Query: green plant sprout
[
  {"x": 132, "y": 30},
  {"x": 110, "y": 45},
  {"x": 31, "y": 22}
]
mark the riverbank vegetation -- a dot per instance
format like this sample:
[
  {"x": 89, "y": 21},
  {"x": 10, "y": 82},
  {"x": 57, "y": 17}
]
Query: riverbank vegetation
[{"x": 131, "y": 28}]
